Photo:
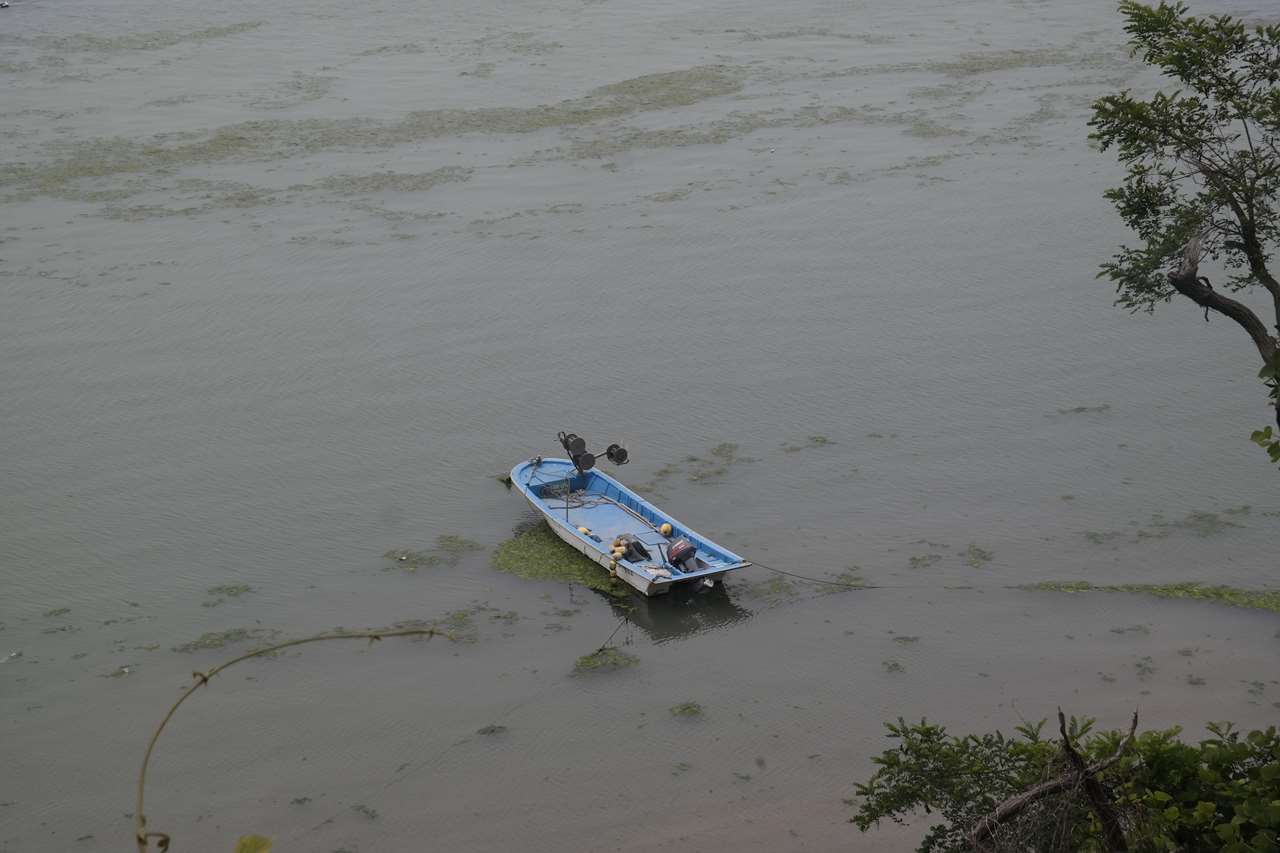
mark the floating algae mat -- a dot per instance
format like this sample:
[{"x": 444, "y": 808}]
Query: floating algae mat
[
  {"x": 283, "y": 139},
  {"x": 604, "y": 660},
  {"x": 1259, "y": 599},
  {"x": 448, "y": 551},
  {"x": 538, "y": 554}
]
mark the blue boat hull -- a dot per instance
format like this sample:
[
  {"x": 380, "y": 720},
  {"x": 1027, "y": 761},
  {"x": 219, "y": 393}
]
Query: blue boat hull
[{"x": 594, "y": 502}]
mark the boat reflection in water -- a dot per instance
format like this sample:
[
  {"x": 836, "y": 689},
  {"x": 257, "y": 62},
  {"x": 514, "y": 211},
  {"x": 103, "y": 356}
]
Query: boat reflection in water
[{"x": 681, "y": 613}]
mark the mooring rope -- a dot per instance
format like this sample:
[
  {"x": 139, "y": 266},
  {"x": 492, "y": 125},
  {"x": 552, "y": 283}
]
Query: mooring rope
[{"x": 143, "y": 837}]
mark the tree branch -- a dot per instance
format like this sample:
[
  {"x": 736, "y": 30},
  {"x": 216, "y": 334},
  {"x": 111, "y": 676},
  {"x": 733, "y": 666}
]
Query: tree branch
[
  {"x": 1185, "y": 280},
  {"x": 1112, "y": 832},
  {"x": 1015, "y": 805}
]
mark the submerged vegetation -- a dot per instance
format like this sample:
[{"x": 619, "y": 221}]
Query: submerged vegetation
[
  {"x": 977, "y": 557},
  {"x": 538, "y": 554},
  {"x": 809, "y": 443},
  {"x": 775, "y": 590},
  {"x": 686, "y": 709},
  {"x": 709, "y": 468},
  {"x": 281, "y": 139},
  {"x": 253, "y": 844},
  {"x": 1198, "y": 523},
  {"x": 222, "y": 594},
  {"x": 221, "y": 639},
  {"x": 448, "y": 551},
  {"x": 719, "y": 460},
  {"x": 607, "y": 659},
  {"x": 1260, "y": 599}
]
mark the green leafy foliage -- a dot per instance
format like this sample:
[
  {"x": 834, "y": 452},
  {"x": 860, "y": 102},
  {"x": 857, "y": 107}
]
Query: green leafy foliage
[
  {"x": 1266, "y": 438},
  {"x": 1204, "y": 158},
  {"x": 1202, "y": 168},
  {"x": 1222, "y": 794}
]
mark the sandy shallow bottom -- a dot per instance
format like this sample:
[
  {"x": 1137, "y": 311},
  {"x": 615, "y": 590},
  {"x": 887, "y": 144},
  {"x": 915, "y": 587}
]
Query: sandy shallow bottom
[{"x": 284, "y": 287}]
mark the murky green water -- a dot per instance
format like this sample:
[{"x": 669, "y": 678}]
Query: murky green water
[{"x": 285, "y": 286}]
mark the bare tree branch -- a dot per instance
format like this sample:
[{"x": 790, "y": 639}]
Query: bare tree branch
[
  {"x": 1112, "y": 832},
  {"x": 1186, "y": 280},
  {"x": 983, "y": 830}
]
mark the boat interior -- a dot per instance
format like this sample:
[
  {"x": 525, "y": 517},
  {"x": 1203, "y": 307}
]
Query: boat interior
[{"x": 592, "y": 501}]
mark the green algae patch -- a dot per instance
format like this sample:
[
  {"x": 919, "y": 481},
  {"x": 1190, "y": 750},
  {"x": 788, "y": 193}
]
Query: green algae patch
[
  {"x": 221, "y": 639},
  {"x": 253, "y": 844},
  {"x": 604, "y": 660},
  {"x": 1204, "y": 524},
  {"x": 850, "y": 578},
  {"x": 224, "y": 593},
  {"x": 448, "y": 551},
  {"x": 716, "y": 464},
  {"x": 775, "y": 590},
  {"x": 687, "y": 710},
  {"x": 538, "y": 554},
  {"x": 456, "y": 626},
  {"x": 808, "y": 444},
  {"x": 159, "y": 40},
  {"x": 449, "y": 544},
  {"x": 977, "y": 557},
  {"x": 1257, "y": 599},
  {"x": 987, "y": 62},
  {"x": 380, "y": 182},
  {"x": 284, "y": 139}
]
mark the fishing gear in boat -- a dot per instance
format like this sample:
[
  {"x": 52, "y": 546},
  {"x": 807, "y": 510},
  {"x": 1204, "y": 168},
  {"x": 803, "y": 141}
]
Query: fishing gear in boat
[{"x": 583, "y": 460}]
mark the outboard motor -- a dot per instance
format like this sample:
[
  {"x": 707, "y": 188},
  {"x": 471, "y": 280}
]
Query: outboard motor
[{"x": 683, "y": 555}]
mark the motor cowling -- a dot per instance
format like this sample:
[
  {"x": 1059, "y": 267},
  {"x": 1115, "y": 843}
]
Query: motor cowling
[{"x": 681, "y": 554}]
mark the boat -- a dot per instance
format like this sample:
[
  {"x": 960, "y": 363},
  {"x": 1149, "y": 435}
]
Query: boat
[{"x": 616, "y": 528}]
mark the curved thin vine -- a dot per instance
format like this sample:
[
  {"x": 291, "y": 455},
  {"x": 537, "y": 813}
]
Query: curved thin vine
[{"x": 162, "y": 839}]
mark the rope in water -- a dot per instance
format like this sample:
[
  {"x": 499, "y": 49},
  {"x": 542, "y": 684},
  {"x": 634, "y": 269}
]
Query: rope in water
[
  {"x": 860, "y": 585},
  {"x": 142, "y": 836}
]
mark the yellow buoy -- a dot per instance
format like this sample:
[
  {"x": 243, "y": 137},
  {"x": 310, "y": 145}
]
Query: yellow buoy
[{"x": 665, "y": 529}]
